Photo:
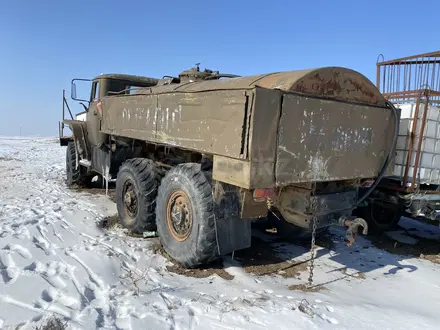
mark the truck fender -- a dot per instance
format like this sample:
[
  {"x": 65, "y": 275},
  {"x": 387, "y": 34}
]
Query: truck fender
[{"x": 79, "y": 132}]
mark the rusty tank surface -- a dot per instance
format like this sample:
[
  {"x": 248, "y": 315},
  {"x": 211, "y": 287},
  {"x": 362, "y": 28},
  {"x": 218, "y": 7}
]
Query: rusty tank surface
[{"x": 196, "y": 157}]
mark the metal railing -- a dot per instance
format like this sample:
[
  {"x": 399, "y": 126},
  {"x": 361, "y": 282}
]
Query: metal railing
[
  {"x": 413, "y": 79},
  {"x": 402, "y": 80},
  {"x": 61, "y": 123}
]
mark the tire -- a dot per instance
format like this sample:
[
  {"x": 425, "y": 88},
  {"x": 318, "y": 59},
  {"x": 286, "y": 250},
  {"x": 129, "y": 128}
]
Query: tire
[
  {"x": 188, "y": 237},
  {"x": 136, "y": 191},
  {"x": 74, "y": 176},
  {"x": 291, "y": 232},
  {"x": 380, "y": 216}
]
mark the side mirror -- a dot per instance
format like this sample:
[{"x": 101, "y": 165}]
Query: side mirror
[{"x": 73, "y": 90}]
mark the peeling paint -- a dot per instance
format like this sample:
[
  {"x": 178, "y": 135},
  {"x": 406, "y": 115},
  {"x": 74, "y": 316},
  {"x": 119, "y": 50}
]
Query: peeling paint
[
  {"x": 333, "y": 140},
  {"x": 318, "y": 167},
  {"x": 348, "y": 139},
  {"x": 289, "y": 152},
  {"x": 166, "y": 138}
]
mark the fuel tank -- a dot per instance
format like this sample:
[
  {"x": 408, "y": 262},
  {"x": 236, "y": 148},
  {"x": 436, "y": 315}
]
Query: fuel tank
[{"x": 276, "y": 129}]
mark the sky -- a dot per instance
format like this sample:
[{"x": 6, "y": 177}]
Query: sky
[{"x": 44, "y": 44}]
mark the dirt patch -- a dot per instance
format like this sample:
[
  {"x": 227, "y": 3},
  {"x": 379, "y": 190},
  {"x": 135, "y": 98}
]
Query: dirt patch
[
  {"x": 425, "y": 248},
  {"x": 306, "y": 288},
  {"x": 357, "y": 275},
  {"x": 109, "y": 222},
  {"x": 112, "y": 221},
  {"x": 202, "y": 272},
  {"x": 262, "y": 259}
]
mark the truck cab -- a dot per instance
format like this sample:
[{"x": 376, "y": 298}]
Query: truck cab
[{"x": 102, "y": 85}]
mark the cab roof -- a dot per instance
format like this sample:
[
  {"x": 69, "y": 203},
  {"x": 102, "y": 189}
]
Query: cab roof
[{"x": 130, "y": 78}]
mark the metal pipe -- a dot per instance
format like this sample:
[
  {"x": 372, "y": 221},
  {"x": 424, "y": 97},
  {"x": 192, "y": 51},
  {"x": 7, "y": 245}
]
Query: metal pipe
[
  {"x": 403, "y": 59},
  {"x": 411, "y": 142},
  {"x": 378, "y": 76},
  {"x": 68, "y": 108},
  {"x": 64, "y": 97},
  {"x": 419, "y": 145}
]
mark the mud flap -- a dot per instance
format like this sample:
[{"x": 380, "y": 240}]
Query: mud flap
[{"x": 233, "y": 233}]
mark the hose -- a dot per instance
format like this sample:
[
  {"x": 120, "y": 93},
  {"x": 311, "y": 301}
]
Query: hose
[{"x": 387, "y": 160}]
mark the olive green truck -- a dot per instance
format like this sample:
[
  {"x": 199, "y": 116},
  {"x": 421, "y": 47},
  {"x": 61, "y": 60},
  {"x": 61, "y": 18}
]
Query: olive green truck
[{"x": 198, "y": 156}]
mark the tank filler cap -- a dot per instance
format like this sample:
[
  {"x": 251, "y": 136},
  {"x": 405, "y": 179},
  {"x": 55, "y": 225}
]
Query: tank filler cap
[{"x": 195, "y": 74}]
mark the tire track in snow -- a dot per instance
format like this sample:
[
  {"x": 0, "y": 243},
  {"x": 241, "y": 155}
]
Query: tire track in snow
[
  {"x": 110, "y": 312},
  {"x": 10, "y": 271}
]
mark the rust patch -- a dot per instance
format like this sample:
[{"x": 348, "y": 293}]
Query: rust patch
[{"x": 332, "y": 83}]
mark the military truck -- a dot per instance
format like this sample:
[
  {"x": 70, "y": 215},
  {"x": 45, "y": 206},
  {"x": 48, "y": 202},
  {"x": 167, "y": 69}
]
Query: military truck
[{"x": 198, "y": 156}]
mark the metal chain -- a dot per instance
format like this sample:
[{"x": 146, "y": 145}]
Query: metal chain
[{"x": 314, "y": 207}]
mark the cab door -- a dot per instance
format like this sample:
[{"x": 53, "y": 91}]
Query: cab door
[{"x": 95, "y": 137}]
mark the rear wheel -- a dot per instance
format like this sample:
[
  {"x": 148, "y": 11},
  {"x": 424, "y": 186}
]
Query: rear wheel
[
  {"x": 74, "y": 175},
  {"x": 185, "y": 216},
  {"x": 136, "y": 192},
  {"x": 381, "y": 216}
]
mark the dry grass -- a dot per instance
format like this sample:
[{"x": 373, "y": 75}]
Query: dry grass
[
  {"x": 306, "y": 288},
  {"x": 109, "y": 222},
  {"x": 53, "y": 323}
]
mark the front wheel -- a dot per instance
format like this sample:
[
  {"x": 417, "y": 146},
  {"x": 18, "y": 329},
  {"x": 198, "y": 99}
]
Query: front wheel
[
  {"x": 185, "y": 216},
  {"x": 75, "y": 175},
  {"x": 136, "y": 191}
]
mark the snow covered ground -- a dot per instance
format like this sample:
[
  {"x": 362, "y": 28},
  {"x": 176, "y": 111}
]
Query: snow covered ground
[{"x": 56, "y": 260}]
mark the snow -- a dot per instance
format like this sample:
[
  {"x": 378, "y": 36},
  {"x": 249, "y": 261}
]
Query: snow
[{"x": 56, "y": 260}]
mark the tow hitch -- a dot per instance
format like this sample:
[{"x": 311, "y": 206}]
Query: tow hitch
[{"x": 352, "y": 224}]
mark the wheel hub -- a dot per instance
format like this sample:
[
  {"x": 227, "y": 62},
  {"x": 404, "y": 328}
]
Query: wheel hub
[
  {"x": 179, "y": 215},
  {"x": 130, "y": 199}
]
